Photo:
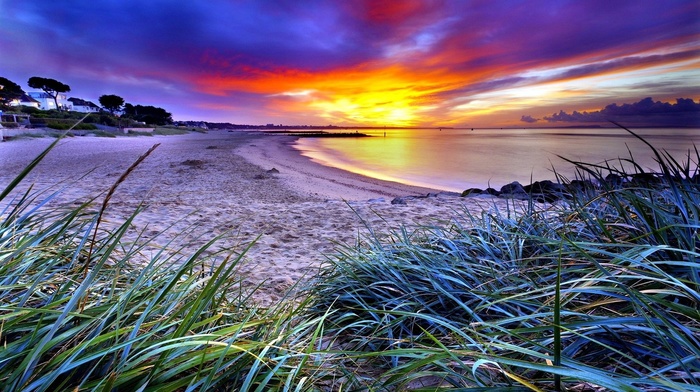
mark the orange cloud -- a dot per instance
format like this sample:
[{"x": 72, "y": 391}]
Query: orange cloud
[{"x": 389, "y": 95}]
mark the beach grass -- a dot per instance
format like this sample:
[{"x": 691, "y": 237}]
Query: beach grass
[
  {"x": 173, "y": 131},
  {"x": 599, "y": 291}
]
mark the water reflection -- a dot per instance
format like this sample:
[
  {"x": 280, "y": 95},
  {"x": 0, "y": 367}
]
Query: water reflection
[{"x": 457, "y": 159}]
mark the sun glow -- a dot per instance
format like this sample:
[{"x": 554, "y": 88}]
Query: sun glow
[
  {"x": 368, "y": 108},
  {"x": 367, "y": 95},
  {"x": 391, "y": 94}
]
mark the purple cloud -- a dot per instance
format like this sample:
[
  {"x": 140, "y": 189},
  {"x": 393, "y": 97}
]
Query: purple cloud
[
  {"x": 529, "y": 119},
  {"x": 684, "y": 112}
]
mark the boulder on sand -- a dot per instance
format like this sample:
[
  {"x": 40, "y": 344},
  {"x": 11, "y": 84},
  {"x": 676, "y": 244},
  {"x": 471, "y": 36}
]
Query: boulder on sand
[{"x": 514, "y": 190}]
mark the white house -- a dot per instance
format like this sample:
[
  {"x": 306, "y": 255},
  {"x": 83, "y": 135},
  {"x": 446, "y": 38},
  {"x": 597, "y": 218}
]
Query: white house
[
  {"x": 83, "y": 106},
  {"x": 25, "y": 100},
  {"x": 46, "y": 101}
]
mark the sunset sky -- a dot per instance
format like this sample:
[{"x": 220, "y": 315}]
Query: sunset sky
[{"x": 371, "y": 62}]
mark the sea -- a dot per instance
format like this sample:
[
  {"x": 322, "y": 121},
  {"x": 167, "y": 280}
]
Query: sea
[{"x": 457, "y": 159}]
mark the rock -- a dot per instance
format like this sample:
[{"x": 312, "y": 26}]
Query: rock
[
  {"x": 491, "y": 191},
  {"x": 546, "y": 187},
  {"x": 273, "y": 171},
  {"x": 398, "y": 200},
  {"x": 471, "y": 192},
  {"x": 546, "y": 191},
  {"x": 514, "y": 190},
  {"x": 377, "y": 200}
]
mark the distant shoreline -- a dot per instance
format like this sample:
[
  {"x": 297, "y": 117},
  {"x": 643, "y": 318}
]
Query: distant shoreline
[{"x": 285, "y": 128}]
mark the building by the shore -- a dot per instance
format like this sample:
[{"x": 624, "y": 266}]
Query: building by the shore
[{"x": 46, "y": 102}]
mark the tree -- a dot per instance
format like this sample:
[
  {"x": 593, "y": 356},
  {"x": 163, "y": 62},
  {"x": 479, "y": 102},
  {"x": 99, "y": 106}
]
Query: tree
[
  {"x": 113, "y": 103},
  {"x": 51, "y": 87},
  {"x": 148, "y": 114},
  {"x": 9, "y": 90}
]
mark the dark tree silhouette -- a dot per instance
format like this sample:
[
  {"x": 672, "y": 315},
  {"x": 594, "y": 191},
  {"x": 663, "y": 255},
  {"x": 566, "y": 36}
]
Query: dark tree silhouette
[
  {"x": 113, "y": 103},
  {"x": 9, "y": 90},
  {"x": 51, "y": 87},
  {"x": 148, "y": 114}
]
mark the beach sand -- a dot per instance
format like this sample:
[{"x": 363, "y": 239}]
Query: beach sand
[{"x": 198, "y": 186}]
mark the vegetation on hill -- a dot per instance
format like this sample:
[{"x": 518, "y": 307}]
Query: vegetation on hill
[
  {"x": 598, "y": 292},
  {"x": 116, "y": 112},
  {"x": 62, "y": 120},
  {"x": 148, "y": 114},
  {"x": 9, "y": 91},
  {"x": 112, "y": 103}
]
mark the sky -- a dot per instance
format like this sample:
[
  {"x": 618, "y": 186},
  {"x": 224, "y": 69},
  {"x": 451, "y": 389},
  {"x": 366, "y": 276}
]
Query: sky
[{"x": 459, "y": 63}]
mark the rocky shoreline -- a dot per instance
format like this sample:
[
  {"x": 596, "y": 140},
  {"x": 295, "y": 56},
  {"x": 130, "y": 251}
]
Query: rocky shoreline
[{"x": 548, "y": 191}]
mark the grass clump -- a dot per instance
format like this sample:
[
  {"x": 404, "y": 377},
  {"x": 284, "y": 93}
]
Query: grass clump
[
  {"x": 30, "y": 135},
  {"x": 100, "y": 133},
  {"x": 63, "y": 125},
  {"x": 166, "y": 131},
  {"x": 599, "y": 291}
]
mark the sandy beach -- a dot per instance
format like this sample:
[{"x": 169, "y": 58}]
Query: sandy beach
[{"x": 197, "y": 186}]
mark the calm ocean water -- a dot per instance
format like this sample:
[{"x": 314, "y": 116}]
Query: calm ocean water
[{"x": 456, "y": 159}]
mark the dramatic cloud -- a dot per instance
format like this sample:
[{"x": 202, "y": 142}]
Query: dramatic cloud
[
  {"x": 684, "y": 112},
  {"x": 413, "y": 62}
]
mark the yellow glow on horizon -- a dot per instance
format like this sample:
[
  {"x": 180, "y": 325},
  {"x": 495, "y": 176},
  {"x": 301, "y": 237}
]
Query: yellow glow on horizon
[
  {"x": 366, "y": 95},
  {"x": 378, "y": 94},
  {"x": 369, "y": 108}
]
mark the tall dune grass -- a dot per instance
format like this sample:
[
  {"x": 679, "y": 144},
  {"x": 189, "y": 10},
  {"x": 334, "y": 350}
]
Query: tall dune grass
[
  {"x": 596, "y": 292},
  {"x": 599, "y": 291}
]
